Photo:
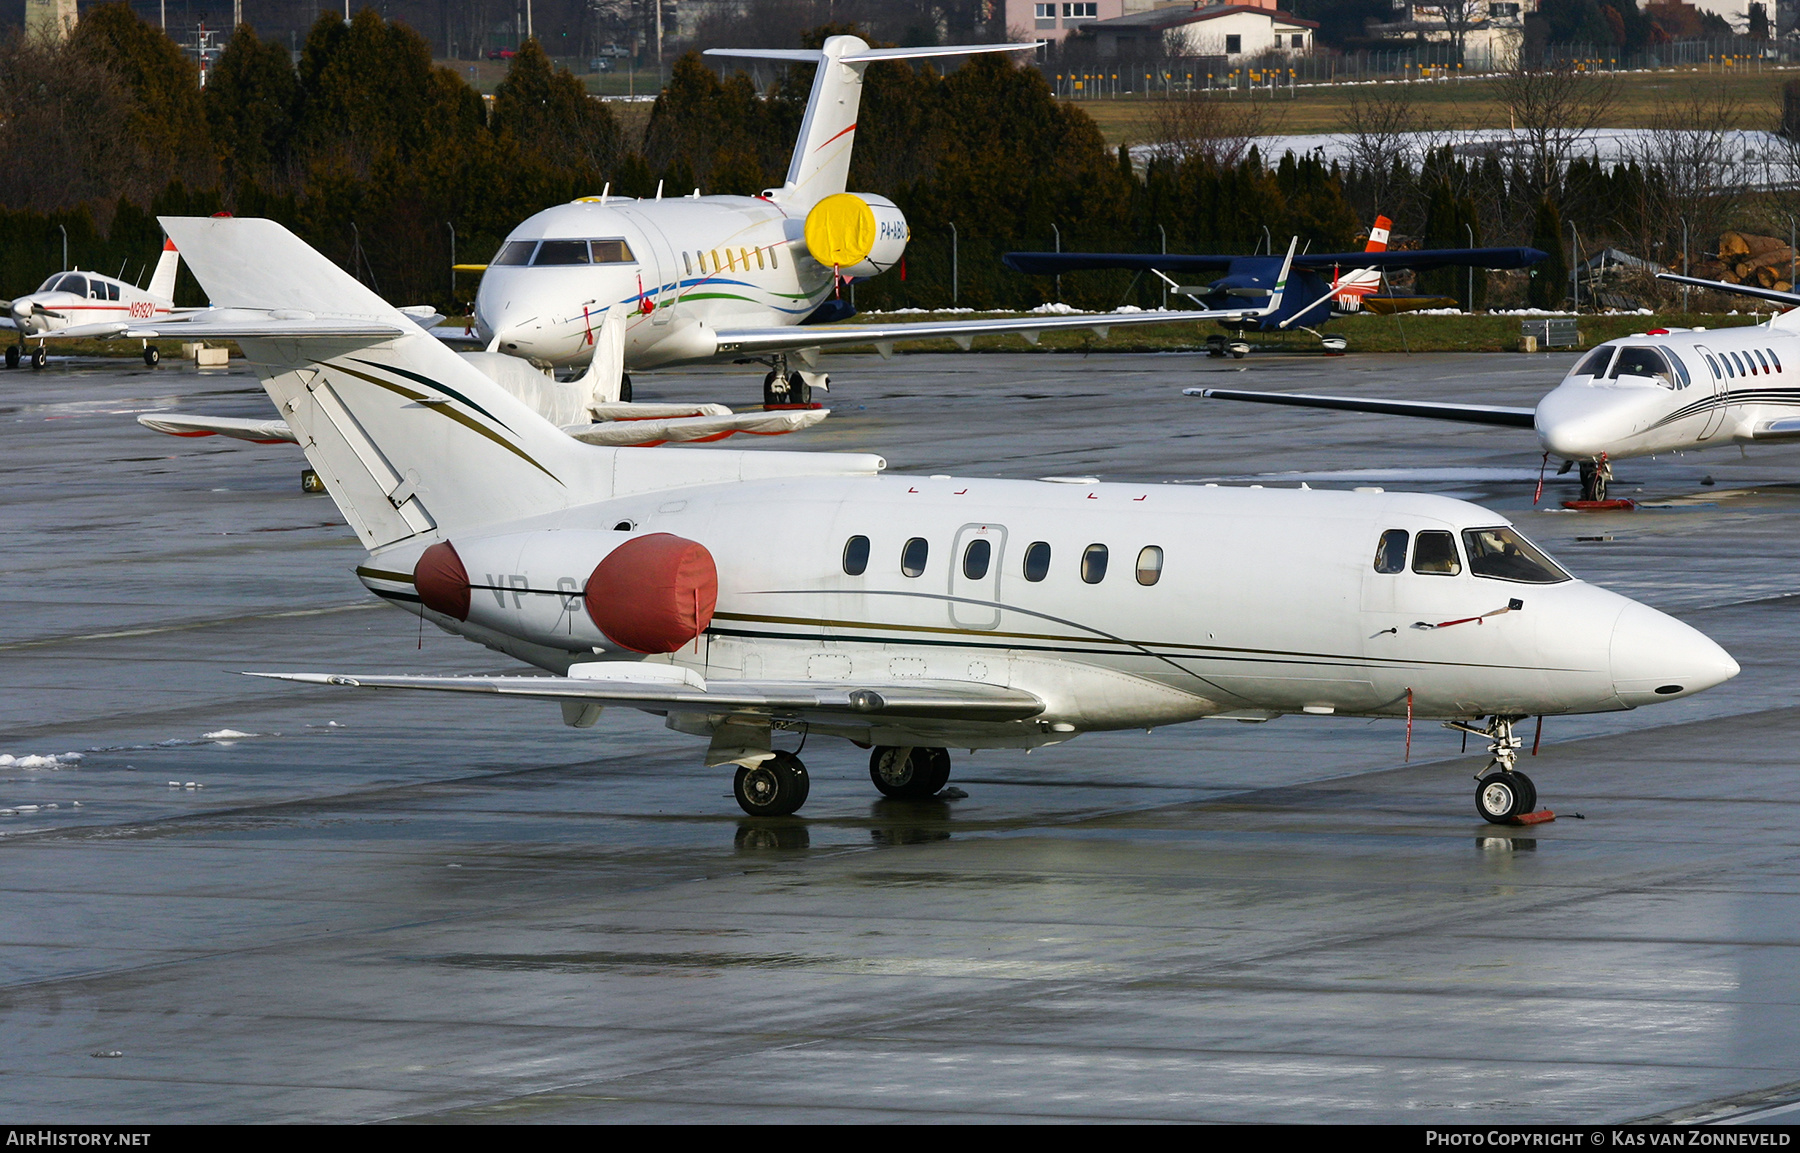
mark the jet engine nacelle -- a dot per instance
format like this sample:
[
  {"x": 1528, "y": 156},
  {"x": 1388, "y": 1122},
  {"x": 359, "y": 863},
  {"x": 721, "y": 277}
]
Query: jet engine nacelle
[
  {"x": 578, "y": 590},
  {"x": 857, "y": 233}
]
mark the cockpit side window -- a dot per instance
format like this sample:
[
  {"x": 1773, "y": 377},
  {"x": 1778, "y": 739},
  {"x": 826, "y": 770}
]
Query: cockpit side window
[
  {"x": 1501, "y": 553},
  {"x": 1390, "y": 553},
  {"x": 1435, "y": 555},
  {"x": 1596, "y": 362},
  {"x": 1680, "y": 366},
  {"x": 515, "y": 252},
  {"x": 1647, "y": 362},
  {"x": 112, "y": 292},
  {"x": 611, "y": 252}
]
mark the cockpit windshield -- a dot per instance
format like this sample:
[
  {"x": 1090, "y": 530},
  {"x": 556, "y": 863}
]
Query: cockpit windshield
[
  {"x": 1501, "y": 553},
  {"x": 548, "y": 253},
  {"x": 73, "y": 282},
  {"x": 1644, "y": 362},
  {"x": 1596, "y": 362}
]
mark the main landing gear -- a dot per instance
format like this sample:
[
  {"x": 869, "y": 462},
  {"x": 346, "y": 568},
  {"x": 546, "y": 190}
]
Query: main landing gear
[
  {"x": 784, "y": 386},
  {"x": 12, "y": 356},
  {"x": 909, "y": 772},
  {"x": 151, "y": 355},
  {"x": 1502, "y": 792},
  {"x": 1219, "y": 346},
  {"x": 776, "y": 787}
]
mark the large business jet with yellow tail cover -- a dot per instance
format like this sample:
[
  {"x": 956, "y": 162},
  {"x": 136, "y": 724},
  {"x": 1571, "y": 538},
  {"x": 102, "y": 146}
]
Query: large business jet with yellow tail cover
[
  {"x": 750, "y": 598},
  {"x": 744, "y": 277}
]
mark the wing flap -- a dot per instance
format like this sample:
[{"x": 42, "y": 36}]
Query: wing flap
[
  {"x": 1467, "y": 413},
  {"x": 865, "y": 700},
  {"x": 694, "y": 429},
  {"x": 184, "y": 424}
]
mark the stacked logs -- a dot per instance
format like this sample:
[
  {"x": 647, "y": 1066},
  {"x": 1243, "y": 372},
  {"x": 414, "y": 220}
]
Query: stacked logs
[{"x": 1748, "y": 259}]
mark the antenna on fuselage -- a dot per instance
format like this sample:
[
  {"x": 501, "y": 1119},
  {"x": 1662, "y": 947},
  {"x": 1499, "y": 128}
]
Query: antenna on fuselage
[
  {"x": 659, "y": 185},
  {"x": 605, "y": 192}
]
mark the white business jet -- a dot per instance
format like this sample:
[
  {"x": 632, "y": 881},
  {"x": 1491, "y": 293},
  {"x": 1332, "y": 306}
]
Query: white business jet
[
  {"x": 742, "y": 595},
  {"x": 81, "y": 300},
  {"x": 702, "y": 277},
  {"x": 1664, "y": 390}
]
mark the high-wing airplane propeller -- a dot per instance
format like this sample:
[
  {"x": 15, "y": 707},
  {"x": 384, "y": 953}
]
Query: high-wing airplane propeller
[
  {"x": 744, "y": 596},
  {"x": 748, "y": 277},
  {"x": 1663, "y": 390},
  {"x": 1325, "y": 285}
]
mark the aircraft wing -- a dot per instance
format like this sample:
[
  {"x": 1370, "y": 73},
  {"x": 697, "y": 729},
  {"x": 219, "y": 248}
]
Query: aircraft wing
[
  {"x": 233, "y": 323},
  {"x": 963, "y": 332},
  {"x": 1468, "y": 413},
  {"x": 646, "y": 432},
  {"x": 256, "y": 431},
  {"x": 799, "y": 700},
  {"x": 1790, "y": 299},
  {"x": 1419, "y": 260}
]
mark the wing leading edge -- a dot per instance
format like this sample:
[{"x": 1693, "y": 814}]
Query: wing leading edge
[
  {"x": 1467, "y": 413},
  {"x": 1419, "y": 260}
]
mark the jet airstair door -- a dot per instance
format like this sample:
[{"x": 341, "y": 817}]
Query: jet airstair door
[
  {"x": 1721, "y": 386},
  {"x": 975, "y": 564},
  {"x": 660, "y": 268}
]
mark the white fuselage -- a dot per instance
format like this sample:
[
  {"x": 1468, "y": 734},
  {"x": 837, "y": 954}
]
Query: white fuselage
[
  {"x": 69, "y": 299},
  {"x": 1720, "y": 386},
  {"x": 1266, "y": 602},
  {"x": 753, "y": 271}
]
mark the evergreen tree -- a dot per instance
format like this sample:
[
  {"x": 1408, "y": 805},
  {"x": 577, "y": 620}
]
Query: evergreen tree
[
  {"x": 1549, "y": 286},
  {"x": 249, "y": 100},
  {"x": 167, "y": 119},
  {"x": 549, "y": 112}
]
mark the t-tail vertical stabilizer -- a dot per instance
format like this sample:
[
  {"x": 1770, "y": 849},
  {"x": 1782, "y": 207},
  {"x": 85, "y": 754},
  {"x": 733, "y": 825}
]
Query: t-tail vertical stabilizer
[{"x": 821, "y": 164}]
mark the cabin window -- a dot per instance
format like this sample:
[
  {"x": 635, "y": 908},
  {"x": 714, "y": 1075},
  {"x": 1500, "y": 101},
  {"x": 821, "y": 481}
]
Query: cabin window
[
  {"x": 1761, "y": 359},
  {"x": 687, "y": 262},
  {"x": 1596, "y": 362},
  {"x": 717, "y": 263},
  {"x": 700, "y": 259},
  {"x": 1093, "y": 564},
  {"x": 856, "y": 555},
  {"x": 611, "y": 252},
  {"x": 976, "y": 558},
  {"x": 759, "y": 258},
  {"x": 561, "y": 252},
  {"x": 913, "y": 556},
  {"x": 774, "y": 259},
  {"x": 1645, "y": 362},
  {"x": 1681, "y": 370},
  {"x": 1714, "y": 365},
  {"x": 1435, "y": 555},
  {"x": 744, "y": 255},
  {"x": 1037, "y": 561},
  {"x": 515, "y": 252},
  {"x": 1390, "y": 553},
  {"x": 1738, "y": 361},
  {"x": 1149, "y": 566},
  {"x": 112, "y": 292},
  {"x": 1776, "y": 359},
  {"x": 1501, "y": 553},
  {"x": 1725, "y": 360}
]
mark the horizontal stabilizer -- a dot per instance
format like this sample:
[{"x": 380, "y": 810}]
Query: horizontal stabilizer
[
  {"x": 1791, "y": 299},
  {"x": 1467, "y": 413},
  {"x": 821, "y": 700},
  {"x": 644, "y": 433},
  {"x": 256, "y": 431},
  {"x": 278, "y": 324}
]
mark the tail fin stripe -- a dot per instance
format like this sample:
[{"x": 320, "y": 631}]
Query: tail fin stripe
[
  {"x": 449, "y": 412},
  {"x": 845, "y": 132},
  {"x": 430, "y": 383}
]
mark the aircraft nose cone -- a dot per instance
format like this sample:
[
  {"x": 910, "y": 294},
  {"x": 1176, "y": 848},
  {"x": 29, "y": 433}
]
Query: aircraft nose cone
[
  {"x": 1657, "y": 658},
  {"x": 1577, "y": 424}
]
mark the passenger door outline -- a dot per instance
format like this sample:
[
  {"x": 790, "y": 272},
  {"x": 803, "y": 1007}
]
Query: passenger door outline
[{"x": 986, "y": 588}]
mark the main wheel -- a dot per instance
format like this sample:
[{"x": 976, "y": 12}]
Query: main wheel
[
  {"x": 1499, "y": 797},
  {"x": 625, "y": 388},
  {"x": 12, "y": 356},
  {"x": 771, "y": 398},
  {"x": 40, "y": 356},
  {"x": 151, "y": 356},
  {"x": 908, "y": 773},
  {"x": 1527, "y": 790},
  {"x": 772, "y": 788}
]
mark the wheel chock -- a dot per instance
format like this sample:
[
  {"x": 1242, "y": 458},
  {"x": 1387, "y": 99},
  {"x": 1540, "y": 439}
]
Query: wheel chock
[
  {"x": 1542, "y": 816},
  {"x": 1599, "y": 505}
]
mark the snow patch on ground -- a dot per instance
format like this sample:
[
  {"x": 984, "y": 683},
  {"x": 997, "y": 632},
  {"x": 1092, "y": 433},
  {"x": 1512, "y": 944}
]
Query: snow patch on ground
[
  {"x": 39, "y": 761},
  {"x": 227, "y": 735}
]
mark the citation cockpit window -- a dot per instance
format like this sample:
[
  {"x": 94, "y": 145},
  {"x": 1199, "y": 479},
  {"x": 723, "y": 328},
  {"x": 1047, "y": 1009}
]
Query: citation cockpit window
[
  {"x": 1502, "y": 554},
  {"x": 1645, "y": 362},
  {"x": 1390, "y": 552},
  {"x": 1435, "y": 555},
  {"x": 1596, "y": 362}
]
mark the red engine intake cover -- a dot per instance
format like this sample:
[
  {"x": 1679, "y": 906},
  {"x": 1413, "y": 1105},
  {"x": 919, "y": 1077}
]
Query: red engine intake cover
[
  {"x": 442, "y": 581},
  {"x": 654, "y": 593}
]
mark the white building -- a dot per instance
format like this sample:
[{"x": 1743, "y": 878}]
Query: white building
[
  {"x": 1492, "y": 31},
  {"x": 51, "y": 19},
  {"x": 1234, "y": 31}
]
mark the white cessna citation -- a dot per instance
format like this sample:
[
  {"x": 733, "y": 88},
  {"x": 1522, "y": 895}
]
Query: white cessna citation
[
  {"x": 743, "y": 594},
  {"x": 79, "y": 300},
  {"x": 1664, "y": 390},
  {"x": 702, "y": 277}
]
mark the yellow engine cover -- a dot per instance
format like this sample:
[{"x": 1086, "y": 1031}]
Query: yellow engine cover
[{"x": 840, "y": 230}]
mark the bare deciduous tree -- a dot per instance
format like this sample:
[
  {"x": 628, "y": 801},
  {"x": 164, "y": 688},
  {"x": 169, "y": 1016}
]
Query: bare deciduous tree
[
  {"x": 1217, "y": 131},
  {"x": 1695, "y": 169},
  {"x": 1550, "y": 108},
  {"x": 62, "y": 129}
]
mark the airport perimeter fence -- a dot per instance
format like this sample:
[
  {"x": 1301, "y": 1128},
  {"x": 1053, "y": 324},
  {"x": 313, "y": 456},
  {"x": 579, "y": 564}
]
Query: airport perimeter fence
[{"x": 1279, "y": 75}]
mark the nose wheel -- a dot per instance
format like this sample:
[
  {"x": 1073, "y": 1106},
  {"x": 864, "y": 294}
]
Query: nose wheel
[
  {"x": 40, "y": 356},
  {"x": 776, "y": 787},
  {"x": 909, "y": 773},
  {"x": 1502, "y": 792},
  {"x": 1594, "y": 478}
]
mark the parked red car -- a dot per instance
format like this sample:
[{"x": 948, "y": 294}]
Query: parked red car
[{"x": 501, "y": 54}]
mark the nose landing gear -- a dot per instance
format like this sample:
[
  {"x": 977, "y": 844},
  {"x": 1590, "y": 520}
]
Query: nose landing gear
[
  {"x": 1502, "y": 792},
  {"x": 1594, "y": 478}
]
